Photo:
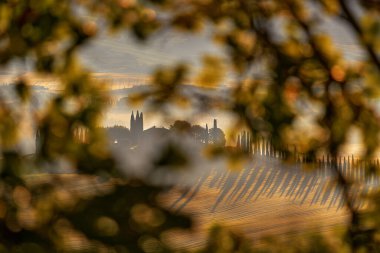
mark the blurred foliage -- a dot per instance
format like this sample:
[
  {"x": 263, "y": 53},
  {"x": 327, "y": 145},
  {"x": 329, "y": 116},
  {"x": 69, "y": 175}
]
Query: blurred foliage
[
  {"x": 304, "y": 78},
  {"x": 223, "y": 240}
]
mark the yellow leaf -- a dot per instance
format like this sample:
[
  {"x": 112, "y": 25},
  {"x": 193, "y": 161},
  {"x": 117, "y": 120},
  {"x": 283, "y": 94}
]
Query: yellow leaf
[{"x": 212, "y": 72}]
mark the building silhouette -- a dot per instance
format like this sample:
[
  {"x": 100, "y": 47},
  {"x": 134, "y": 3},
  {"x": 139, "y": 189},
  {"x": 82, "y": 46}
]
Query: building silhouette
[
  {"x": 125, "y": 138},
  {"x": 136, "y": 126},
  {"x": 216, "y": 135}
]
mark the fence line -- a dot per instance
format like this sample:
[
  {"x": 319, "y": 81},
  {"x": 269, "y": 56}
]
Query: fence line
[{"x": 351, "y": 168}]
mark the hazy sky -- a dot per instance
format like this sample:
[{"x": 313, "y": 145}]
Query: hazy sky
[{"x": 123, "y": 54}]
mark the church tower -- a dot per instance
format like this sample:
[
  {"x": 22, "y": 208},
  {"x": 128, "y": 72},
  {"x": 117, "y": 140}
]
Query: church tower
[
  {"x": 214, "y": 132},
  {"x": 136, "y": 126},
  {"x": 132, "y": 123},
  {"x": 141, "y": 122}
]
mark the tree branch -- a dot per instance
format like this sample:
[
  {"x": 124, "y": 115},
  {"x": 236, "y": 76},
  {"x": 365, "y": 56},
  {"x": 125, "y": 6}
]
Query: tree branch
[{"x": 350, "y": 18}]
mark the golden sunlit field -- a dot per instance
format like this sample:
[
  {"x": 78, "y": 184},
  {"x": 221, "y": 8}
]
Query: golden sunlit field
[
  {"x": 277, "y": 215},
  {"x": 267, "y": 215}
]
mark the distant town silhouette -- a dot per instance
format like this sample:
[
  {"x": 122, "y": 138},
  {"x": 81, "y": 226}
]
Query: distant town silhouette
[
  {"x": 264, "y": 177},
  {"x": 136, "y": 134},
  {"x": 132, "y": 137}
]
